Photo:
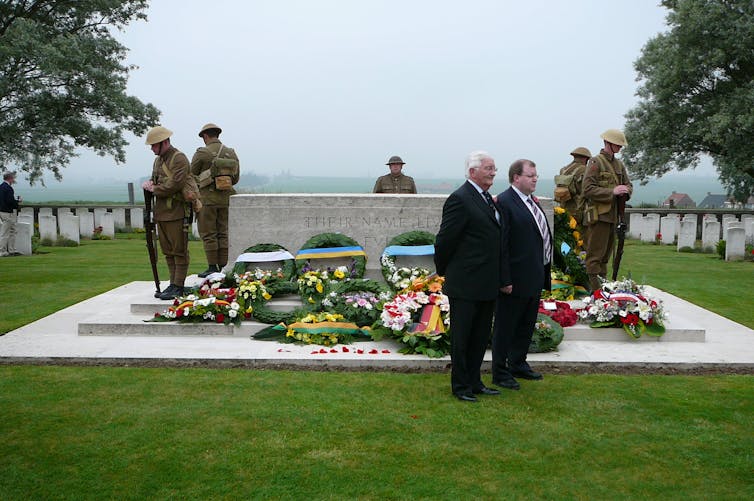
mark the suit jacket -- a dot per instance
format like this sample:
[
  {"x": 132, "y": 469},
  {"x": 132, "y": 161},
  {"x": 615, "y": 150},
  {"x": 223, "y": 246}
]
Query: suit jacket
[
  {"x": 467, "y": 247},
  {"x": 522, "y": 247},
  {"x": 8, "y": 201}
]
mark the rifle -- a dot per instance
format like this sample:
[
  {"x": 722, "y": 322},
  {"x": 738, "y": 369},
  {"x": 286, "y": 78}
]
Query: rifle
[
  {"x": 149, "y": 227},
  {"x": 620, "y": 230}
]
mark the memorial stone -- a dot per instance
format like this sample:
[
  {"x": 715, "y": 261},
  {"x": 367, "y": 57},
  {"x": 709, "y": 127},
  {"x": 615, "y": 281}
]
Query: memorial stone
[
  {"x": 710, "y": 235},
  {"x": 98, "y": 214},
  {"x": 371, "y": 220},
  {"x": 108, "y": 226},
  {"x": 727, "y": 219},
  {"x": 24, "y": 231},
  {"x": 735, "y": 246},
  {"x": 48, "y": 227},
  {"x": 26, "y": 210},
  {"x": 86, "y": 224},
  {"x": 119, "y": 217},
  {"x": 137, "y": 218},
  {"x": 669, "y": 228},
  {"x": 26, "y": 218},
  {"x": 45, "y": 211},
  {"x": 687, "y": 234},
  {"x": 69, "y": 227},
  {"x": 650, "y": 227},
  {"x": 635, "y": 223},
  {"x": 749, "y": 230}
]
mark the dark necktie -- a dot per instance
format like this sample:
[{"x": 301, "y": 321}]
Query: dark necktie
[
  {"x": 488, "y": 197},
  {"x": 540, "y": 218}
]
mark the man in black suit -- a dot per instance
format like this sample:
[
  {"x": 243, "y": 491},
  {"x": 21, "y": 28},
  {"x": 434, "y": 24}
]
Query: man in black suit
[
  {"x": 526, "y": 255},
  {"x": 467, "y": 253}
]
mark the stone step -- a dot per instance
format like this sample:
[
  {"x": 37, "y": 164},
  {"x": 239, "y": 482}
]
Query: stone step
[
  {"x": 150, "y": 307},
  {"x": 582, "y": 332},
  {"x": 137, "y": 327}
]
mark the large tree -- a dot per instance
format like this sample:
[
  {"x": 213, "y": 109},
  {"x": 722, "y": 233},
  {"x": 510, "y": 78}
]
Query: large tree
[
  {"x": 697, "y": 94},
  {"x": 63, "y": 82}
]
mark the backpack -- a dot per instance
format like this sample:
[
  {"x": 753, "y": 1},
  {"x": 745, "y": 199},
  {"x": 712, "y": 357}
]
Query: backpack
[{"x": 222, "y": 171}]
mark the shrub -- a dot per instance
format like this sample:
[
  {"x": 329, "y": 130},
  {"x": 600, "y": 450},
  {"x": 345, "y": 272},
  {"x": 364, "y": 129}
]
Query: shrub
[{"x": 721, "y": 249}]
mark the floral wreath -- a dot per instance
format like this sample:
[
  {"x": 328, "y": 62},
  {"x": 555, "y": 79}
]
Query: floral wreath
[
  {"x": 288, "y": 268},
  {"x": 323, "y": 240},
  {"x": 400, "y": 278}
]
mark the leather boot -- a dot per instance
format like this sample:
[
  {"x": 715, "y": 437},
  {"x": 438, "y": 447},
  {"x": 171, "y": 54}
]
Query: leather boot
[
  {"x": 594, "y": 282},
  {"x": 213, "y": 268}
]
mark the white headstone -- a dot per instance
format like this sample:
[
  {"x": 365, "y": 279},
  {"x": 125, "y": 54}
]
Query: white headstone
[
  {"x": 45, "y": 211},
  {"x": 137, "y": 217},
  {"x": 69, "y": 226},
  {"x": 27, "y": 210},
  {"x": 48, "y": 227},
  {"x": 749, "y": 230},
  {"x": 98, "y": 213},
  {"x": 108, "y": 226},
  {"x": 119, "y": 217},
  {"x": 687, "y": 235},
  {"x": 24, "y": 231},
  {"x": 650, "y": 227},
  {"x": 735, "y": 245},
  {"x": 635, "y": 224},
  {"x": 690, "y": 217},
  {"x": 86, "y": 224},
  {"x": 669, "y": 228},
  {"x": 63, "y": 211},
  {"x": 727, "y": 223},
  {"x": 710, "y": 235},
  {"x": 26, "y": 218}
]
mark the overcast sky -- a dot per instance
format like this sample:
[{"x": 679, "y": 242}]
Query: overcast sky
[{"x": 335, "y": 87}]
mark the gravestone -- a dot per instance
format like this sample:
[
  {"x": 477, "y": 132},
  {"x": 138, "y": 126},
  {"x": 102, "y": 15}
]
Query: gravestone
[
  {"x": 727, "y": 220},
  {"x": 371, "y": 220},
  {"x": 749, "y": 230},
  {"x": 137, "y": 218},
  {"x": 62, "y": 211},
  {"x": 26, "y": 218},
  {"x": 635, "y": 224},
  {"x": 86, "y": 224},
  {"x": 669, "y": 228},
  {"x": 735, "y": 246},
  {"x": 710, "y": 235},
  {"x": 27, "y": 210},
  {"x": 45, "y": 211},
  {"x": 650, "y": 227},
  {"x": 48, "y": 227},
  {"x": 69, "y": 227},
  {"x": 24, "y": 231},
  {"x": 108, "y": 226},
  {"x": 98, "y": 215},
  {"x": 119, "y": 217},
  {"x": 687, "y": 234}
]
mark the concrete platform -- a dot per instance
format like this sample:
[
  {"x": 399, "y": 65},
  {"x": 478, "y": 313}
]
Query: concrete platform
[{"x": 109, "y": 329}]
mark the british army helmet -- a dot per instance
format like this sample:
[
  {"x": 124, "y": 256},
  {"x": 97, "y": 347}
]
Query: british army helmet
[
  {"x": 209, "y": 126},
  {"x": 158, "y": 134},
  {"x": 614, "y": 136},
  {"x": 581, "y": 151},
  {"x": 395, "y": 159}
]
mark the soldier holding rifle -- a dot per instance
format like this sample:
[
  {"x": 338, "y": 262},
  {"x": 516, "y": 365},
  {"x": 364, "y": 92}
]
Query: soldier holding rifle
[{"x": 605, "y": 181}]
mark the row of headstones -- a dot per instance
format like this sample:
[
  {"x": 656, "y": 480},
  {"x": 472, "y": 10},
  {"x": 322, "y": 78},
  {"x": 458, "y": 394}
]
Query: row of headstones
[{"x": 672, "y": 229}]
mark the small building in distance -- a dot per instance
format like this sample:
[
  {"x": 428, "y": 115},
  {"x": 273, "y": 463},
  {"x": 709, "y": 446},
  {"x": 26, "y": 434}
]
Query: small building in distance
[
  {"x": 714, "y": 201},
  {"x": 679, "y": 201}
]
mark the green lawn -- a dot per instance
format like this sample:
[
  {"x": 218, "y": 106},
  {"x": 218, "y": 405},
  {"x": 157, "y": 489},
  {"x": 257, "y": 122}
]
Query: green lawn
[{"x": 125, "y": 433}]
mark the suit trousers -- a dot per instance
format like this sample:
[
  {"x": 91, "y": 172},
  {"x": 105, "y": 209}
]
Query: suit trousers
[
  {"x": 7, "y": 232},
  {"x": 212, "y": 222},
  {"x": 471, "y": 326},
  {"x": 514, "y": 326}
]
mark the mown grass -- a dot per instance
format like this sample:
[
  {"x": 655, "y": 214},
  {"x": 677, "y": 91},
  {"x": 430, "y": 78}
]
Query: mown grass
[{"x": 97, "y": 433}]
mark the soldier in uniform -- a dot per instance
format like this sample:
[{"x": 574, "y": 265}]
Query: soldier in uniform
[
  {"x": 569, "y": 184},
  {"x": 171, "y": 213},
  {"x": 605, "y": 179},
  {"x": 213, "y": 218},
  {"x": 396, "y": 181}
]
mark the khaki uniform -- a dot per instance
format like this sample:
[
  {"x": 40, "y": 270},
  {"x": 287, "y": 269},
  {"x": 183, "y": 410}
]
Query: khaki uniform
[
  {"x": 170, "y": 211},
  {"x": 575, "y": 205},
  {"x": 603, "y": 173},
  {"x": 212, "y": 220},
  {"x": 395, "y": 184}
]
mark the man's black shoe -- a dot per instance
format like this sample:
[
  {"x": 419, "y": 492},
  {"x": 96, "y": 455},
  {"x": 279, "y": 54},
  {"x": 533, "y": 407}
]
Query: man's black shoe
[
  {"x": 508, "y": 383},
  {"x": 171, "y": 292},
  {"x": 465, "y": 398},
  {"x": 212, "y": 268},
  {"x": 486, "y": 391},
  {"x": 527, "y": 374}
]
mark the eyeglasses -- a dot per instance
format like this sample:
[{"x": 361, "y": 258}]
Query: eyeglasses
[
  {"x": 530, "y": 175},
  {"x": 487, "y": 168}
]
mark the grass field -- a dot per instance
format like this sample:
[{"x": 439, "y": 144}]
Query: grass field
[{"x": 136, "y": 433}]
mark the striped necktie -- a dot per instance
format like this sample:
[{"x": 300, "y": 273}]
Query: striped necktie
[
  {"x": 488, "y": 197},
  {"x": 540, "y": 218}
]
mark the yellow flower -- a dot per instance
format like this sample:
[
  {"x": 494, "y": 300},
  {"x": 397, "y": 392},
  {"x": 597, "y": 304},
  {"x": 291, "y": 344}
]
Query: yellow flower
[
  {"x": 290, "y": 333},
  {"x": 559, "y": 210},
  {"x": 339, "y": 274},
  {"x": 319, "y": 287},
  {"x": 572, "y": 223},
  {"x": 580, "y": 243},
  {"x": 311, "y": 300},
  {"x": 576, "y": 235},
  {"x": 267, "y": 296}
]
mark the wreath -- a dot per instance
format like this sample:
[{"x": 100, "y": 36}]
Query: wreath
[
  {"x": 264, "y": 314},
  {"x": 400, "y": 278},
  {"x": 323, "y": 240},
  {"x": 288, "y": 268},
  {"x": 359, "y": 300}
]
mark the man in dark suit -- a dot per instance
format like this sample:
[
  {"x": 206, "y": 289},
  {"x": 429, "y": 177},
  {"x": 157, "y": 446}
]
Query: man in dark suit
[
  {"x": 526, "y": 255},
  {"x": 467, "y": 253}
]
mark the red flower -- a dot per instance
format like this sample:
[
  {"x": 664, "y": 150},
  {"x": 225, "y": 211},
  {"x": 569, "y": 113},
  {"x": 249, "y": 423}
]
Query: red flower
[
  {"x": 246, "y": 314},
  {"x": 322, "y": 350},
  {"x": 179, "y": 313},
  {"x": 372, "y": 351},
  {"x": 315, "y": 352},
  {"x": 345, "y": 350},
  {"x": 385, "y": 351},
  {"x": 157, "y": 315},
  {"x": 630, "y": 319},
  {"x": 176, "y": 302},
  {"x": 333, "y": 350},
  {"x": 360, "y": 351},
  {"x": 220, "y": 318}
]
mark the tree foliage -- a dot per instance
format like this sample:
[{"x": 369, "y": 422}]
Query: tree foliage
[
  {"x": 63, "y": 82},
  {"x": 697, "y": 94}
]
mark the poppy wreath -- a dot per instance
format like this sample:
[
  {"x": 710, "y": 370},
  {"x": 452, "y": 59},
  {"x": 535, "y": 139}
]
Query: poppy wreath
[
  {"x": 288, "y": 268},
  {"x": 324, "y": 240},
  {"x": 411, "y": 238}
]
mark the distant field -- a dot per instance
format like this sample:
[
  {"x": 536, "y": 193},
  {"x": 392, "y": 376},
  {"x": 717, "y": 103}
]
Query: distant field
[{"x": 652, "y": 193}]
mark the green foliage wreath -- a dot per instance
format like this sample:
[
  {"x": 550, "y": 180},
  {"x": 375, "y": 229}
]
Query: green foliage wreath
[
  {"x": 289, "y": 265},
  {"x": 547, "y": 335},
  {"x": 322, "y": 240},
  {"x": 409, "y": 238}
]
